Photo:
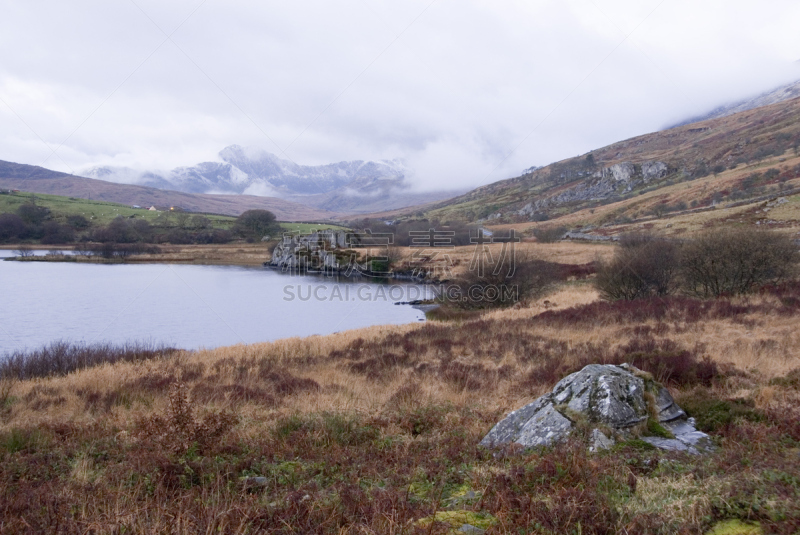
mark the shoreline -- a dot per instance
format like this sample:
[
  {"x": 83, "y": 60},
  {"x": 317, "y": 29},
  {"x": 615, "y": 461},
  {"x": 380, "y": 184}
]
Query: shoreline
[{"x": 236, "y": 254}]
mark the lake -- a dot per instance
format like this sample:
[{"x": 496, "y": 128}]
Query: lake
[{"x": 186, "y": 306}]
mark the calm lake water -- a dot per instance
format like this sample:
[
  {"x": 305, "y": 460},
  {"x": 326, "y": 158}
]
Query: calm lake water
[{"x": 185, "y": 306}]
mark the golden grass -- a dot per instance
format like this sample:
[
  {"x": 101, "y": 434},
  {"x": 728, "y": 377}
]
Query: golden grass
[
  {"x": 287, "y": 396},
  {"x": 765, "y": 346},
  {"x": 678, "y": 224}
]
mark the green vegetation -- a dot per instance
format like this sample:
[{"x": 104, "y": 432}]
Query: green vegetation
[
  {"x": 51, "y": 219},
  {"x": 307, "y": 228},
  {"x": 99, "y": 213}
]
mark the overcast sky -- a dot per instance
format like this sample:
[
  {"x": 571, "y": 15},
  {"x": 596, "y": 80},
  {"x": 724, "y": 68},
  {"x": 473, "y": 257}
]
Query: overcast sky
[{"x": 466, "y": 92}]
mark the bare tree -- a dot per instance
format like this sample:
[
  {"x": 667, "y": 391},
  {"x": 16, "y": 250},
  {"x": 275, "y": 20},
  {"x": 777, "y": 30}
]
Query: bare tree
[
  {"x": 736, "y": 261},
  {"x": 24, "y": 251},
  {"x": 644, "y": 265}
]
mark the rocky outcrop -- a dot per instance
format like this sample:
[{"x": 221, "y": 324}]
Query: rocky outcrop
[
  {"x": 315, "y": 251},
  {"x": 612, "y": 403},
  {"x": 584, "y": 236},
  {"x": 616, "y": 179}
]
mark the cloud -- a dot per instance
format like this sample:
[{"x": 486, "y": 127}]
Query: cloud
[{"x": 465, "y": 92}]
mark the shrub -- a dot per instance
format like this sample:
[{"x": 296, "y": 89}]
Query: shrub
[
  {"x": 549, "y": 234},
  {"x": 180, "y": 431},
  {"x": 668, "y": 362},
  {"x": 517, "y": 280},
  {"x": 256, "y": 223},
  {"x": 11, "y": 226},
  {"x": 62, "y": 358},
  {"x": 33, "y": 214},
  {"x": 643, "y": 266},
  {"x": 736, "y": 261},
  {"x": 78, "y": 222},
  {"x": 54, "y": 233}
]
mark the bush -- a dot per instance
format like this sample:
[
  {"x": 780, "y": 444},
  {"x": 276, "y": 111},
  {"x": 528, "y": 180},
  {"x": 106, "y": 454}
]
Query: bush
[
  {"x": 179, "y": 430},
  {"x": 549, "y": 234},
  {"x": 11, "y": 227},
  {"x": 62, "y": 358},
  {"x": 54, "y": 233},
  {"x": 33, "y": 214},
  {"x": 736, "y": 261},
  {"x": 528, "y": 279},
  {"x": 256, "y": 224},
  {"x": 643, "y": 265},
  {"x": 78, "y": 222}
]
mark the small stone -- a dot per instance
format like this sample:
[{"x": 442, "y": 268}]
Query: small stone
[
  {"x": 469, "y": 528},
  {"x": 600, "y": 441},
  {"x": 254, "y": 481}
]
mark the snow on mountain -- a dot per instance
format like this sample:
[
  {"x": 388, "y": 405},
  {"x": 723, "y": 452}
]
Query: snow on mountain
[
  {"x": 785, "y": 92},
  {"x": 342, "y": 186}
]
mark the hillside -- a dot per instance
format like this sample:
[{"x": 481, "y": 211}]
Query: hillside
[
  {"x": 731, "y": 147},
  {"x": 36, "y": 179}
]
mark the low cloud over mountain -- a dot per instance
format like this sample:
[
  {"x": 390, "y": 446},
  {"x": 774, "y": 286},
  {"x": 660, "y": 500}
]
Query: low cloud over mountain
[{"x": 354, "y": 186}]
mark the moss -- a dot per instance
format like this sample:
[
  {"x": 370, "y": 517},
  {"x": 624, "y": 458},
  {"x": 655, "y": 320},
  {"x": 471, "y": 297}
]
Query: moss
[
  {"x": 713, "y": 414},
  {"x": 463, "y": 494},
  {"x": 655, "y": 429},
  {"x": 456, "y": 519},
  {"x": 636, "y": 444},
  {"x": 735, "y": 527}
]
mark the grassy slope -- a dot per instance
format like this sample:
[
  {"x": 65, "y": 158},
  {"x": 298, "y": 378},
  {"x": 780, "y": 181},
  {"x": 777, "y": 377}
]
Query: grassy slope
[
  {"x": 39, "y": 180},
  {"x": 713, "y": 142},
  {"x": 785, "y": 218},
  {"x": 368, "y": 431},
  {"x": 98, "y": 212},
  {"x": 101, "y": 213}
]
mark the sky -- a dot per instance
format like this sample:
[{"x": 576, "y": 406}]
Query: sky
[{"x": 463, "y": 92}]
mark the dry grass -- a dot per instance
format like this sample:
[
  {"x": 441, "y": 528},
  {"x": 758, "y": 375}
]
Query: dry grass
[
  {"x": 369, "y": 430},
  {"x": 447, "y": 263},
  {"x": 787, "y": 217}
]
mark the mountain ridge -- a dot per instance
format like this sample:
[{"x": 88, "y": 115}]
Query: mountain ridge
[
  {"x": 347, "y": 186},
  {"x": 37, "y": 179}
]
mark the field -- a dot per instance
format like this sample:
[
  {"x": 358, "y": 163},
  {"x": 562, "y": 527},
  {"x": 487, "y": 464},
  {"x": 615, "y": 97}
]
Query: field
[
  {"x": 376, "y": 430},
  {"x": 101, "y": 213},
  {"x": 97, "y": 212}
]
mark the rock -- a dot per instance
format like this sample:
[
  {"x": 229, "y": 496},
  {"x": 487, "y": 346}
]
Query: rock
[
  {"x": 600, "y": 441},
  {"x": 253, "y": 482},
  {"x": 315, "y": 251},
  {"x": 577, "y": 235},
  {"x": 622, "y": 172},
  {"x": 653, "y": 170},
  {"x": 608, "y": 400},
  {"x": 469, "y": 528}
]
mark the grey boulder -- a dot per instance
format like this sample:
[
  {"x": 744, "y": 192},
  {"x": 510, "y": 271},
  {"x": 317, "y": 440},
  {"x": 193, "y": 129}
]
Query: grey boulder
[{"x": 614, "y": 402}]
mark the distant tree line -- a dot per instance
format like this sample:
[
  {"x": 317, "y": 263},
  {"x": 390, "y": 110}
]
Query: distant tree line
[{"x": 715, "y": 263}]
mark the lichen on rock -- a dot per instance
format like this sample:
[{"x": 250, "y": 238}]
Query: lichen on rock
[{"x": 611, "y": 403}]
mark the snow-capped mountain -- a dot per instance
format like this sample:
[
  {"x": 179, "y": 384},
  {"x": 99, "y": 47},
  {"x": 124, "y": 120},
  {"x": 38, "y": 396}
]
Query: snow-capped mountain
[{"x": 354, "y": 186}]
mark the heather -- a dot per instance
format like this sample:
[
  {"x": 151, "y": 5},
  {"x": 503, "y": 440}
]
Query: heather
[{"x": 376, "y": 430}]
